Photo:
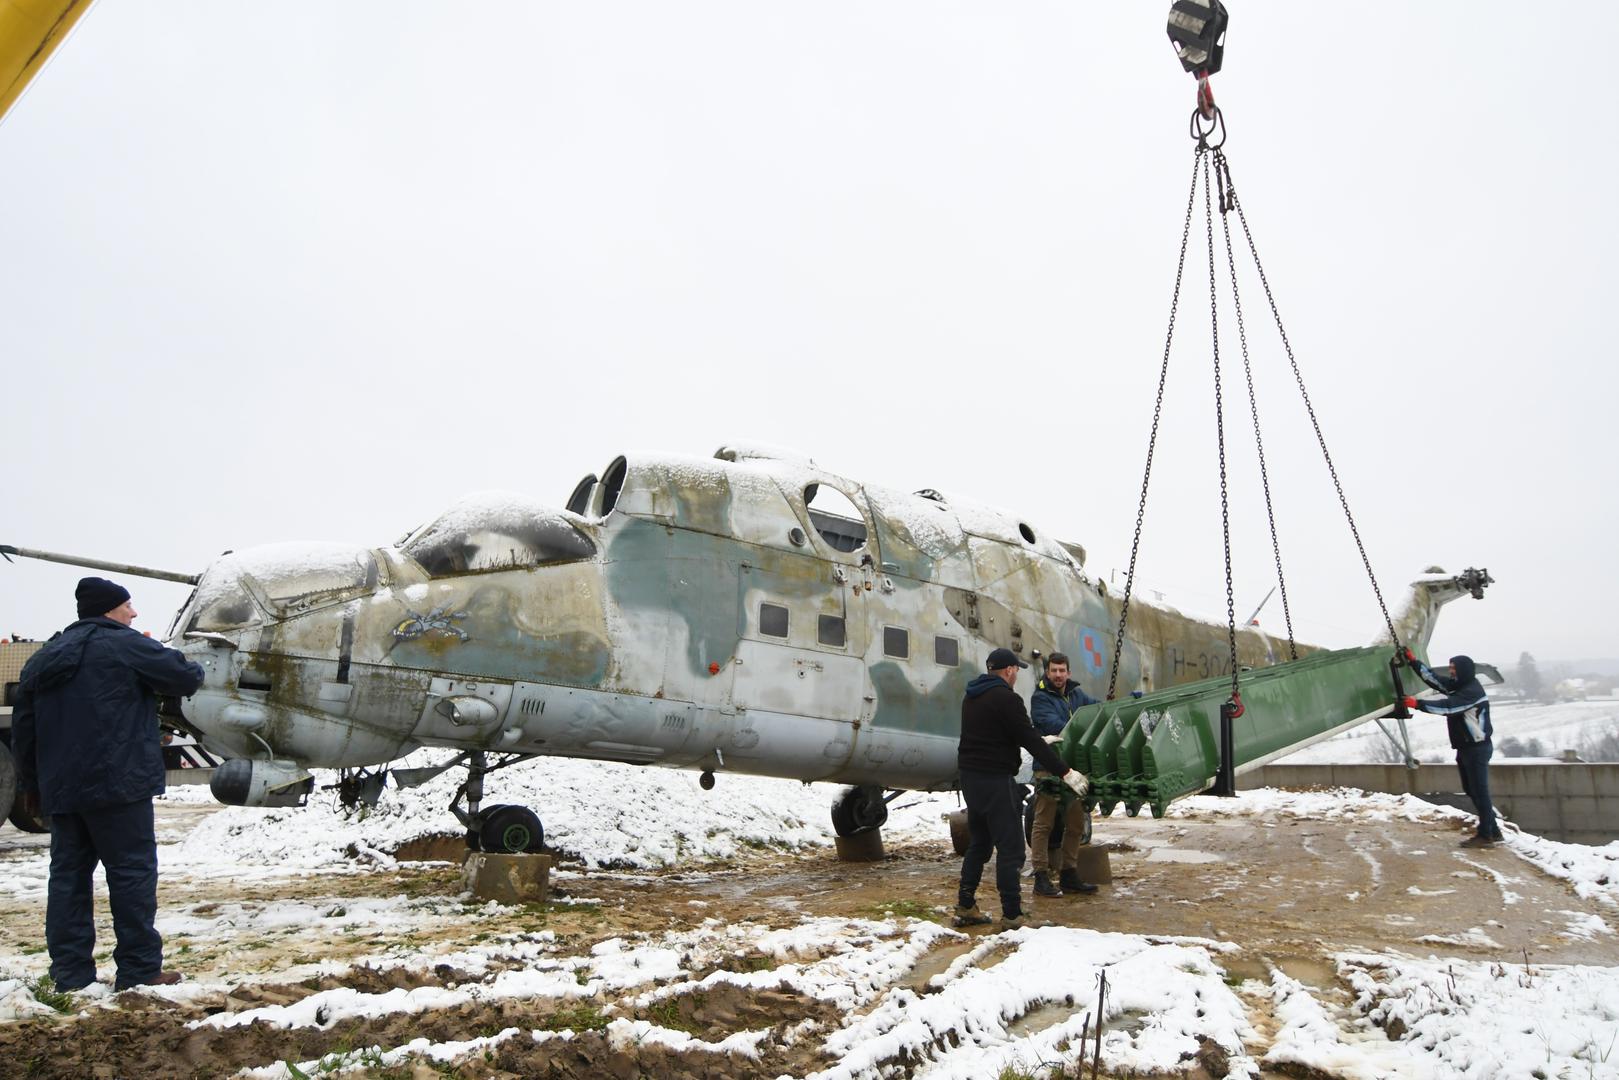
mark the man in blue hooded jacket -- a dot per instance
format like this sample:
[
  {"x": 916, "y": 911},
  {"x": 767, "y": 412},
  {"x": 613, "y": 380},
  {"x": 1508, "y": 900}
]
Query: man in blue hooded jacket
[
  {"x": 1466, "y": 710},
  {"x": 1056, "y": 698},
  {"x": 994, "y": 726},
  {"x": 90, "y": 757}
]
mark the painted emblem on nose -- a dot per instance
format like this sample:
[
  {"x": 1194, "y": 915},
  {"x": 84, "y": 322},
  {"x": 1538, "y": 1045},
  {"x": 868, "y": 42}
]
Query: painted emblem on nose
[
  {"x": 1090, "y": 651},
  {"x": 436, "y": 623}
]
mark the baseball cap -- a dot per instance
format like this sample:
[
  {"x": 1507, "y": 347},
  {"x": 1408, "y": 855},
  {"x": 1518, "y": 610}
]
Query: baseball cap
[{"x": 1003, "y": 658}]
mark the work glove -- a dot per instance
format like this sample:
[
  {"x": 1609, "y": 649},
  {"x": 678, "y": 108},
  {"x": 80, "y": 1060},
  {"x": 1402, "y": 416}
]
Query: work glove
[
  {"x": 1409, "y": 702},
  {"x": 1410, "y": 657},
  {"x": 1053, "y": 738},
  {"x": 1076, "y": 782}
]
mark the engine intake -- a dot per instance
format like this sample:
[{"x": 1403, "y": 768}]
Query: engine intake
[{"x": 244, "y": 782}]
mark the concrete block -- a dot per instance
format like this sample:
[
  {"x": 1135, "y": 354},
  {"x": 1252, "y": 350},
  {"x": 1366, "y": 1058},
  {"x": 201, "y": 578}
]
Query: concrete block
[
  {"x": 508, "y": 879},
  {"x": 1605, "y": 780},
  {"x": 861, "y": 847},
  {"x": 1092, "y": 865}
]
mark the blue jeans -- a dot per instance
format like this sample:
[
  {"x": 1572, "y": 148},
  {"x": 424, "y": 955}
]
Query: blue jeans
[
  {"x": 122, "y": 839},
  {"x": 1473, "y": 762},
  {"x": 993, "y": 822}
]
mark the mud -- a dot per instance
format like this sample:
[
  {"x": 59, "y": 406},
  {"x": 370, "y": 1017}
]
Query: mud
[{"x": 1287, "y": 894}]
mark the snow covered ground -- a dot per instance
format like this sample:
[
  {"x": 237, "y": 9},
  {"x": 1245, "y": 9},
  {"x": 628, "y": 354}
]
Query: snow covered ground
[
  {"x": 855, "y": 997},
  {"x": 1558, "y": 727}
]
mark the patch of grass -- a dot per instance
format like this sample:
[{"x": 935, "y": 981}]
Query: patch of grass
[
  {"x": 907, "y": 909},
  {"x": 33, "y": 950},
  {"x": 45, "y": 992},
  {"x": 666, "y": 1013},
  {"x": 582, "y": 1017}
]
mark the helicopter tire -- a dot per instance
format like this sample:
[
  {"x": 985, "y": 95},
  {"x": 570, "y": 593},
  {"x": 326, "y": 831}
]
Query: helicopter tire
[
  {"x": 476, "y": 824},
  {"x": 511, "y": 830},
  {"x": 859, "y": 809}
]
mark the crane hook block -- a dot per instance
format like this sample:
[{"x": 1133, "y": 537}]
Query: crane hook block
[{"x": 1197, "y": 30}]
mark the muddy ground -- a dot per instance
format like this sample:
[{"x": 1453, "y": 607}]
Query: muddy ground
[{"x": 1288, "y": 893}]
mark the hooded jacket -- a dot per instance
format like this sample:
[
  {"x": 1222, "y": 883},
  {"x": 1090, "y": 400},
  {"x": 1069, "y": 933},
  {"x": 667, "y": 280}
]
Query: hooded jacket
[
  {"x": 1050, "y": 711},
  {"x": 1465, "y": 707},
  {"x": 84, "y": 724},
  {"x": 994, "y": 724}
]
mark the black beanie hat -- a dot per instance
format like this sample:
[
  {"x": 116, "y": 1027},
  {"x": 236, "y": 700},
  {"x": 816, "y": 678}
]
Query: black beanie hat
[{"x": 97, "y": 596}]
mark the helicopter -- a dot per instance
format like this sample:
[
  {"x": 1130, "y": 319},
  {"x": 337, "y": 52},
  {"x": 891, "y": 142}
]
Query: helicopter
[{"x": 746, "y": 613}]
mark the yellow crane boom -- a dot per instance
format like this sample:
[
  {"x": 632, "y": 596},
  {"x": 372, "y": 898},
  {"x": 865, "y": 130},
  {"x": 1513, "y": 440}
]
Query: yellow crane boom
[{"x": 30, "y": 30}]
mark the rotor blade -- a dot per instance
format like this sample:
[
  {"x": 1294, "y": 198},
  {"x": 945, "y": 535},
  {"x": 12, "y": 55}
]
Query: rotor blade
[{"x": 100, "y": 564}]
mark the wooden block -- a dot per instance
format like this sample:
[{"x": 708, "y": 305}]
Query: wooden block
[
  {"x": 861, "y": 847},
  {"x": 508, "y": 879}
]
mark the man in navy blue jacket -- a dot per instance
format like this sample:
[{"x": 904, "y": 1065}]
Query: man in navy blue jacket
[
  {"x": 1056, "y": 698},
  {"x": 994, "y": 726},
  {"x": 90, "y": 757},
  {"x": 1466, "y": 710}
]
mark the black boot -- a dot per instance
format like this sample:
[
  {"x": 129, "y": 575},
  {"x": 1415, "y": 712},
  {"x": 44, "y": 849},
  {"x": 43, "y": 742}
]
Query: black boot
[
  {"x": 1072, "y": 884},
  {"x": 1043, "y": 885}
]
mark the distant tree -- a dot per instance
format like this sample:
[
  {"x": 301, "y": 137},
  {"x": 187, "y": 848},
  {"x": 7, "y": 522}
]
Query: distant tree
[
  {"x": 1534, "y": 748},
  {"x": 1511, "y": 747},
  {"x": 1601, "y": 747},
  {"x": 1528, "y": 676}
]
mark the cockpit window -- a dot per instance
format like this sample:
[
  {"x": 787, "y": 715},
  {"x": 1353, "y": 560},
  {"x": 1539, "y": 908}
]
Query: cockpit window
[
  {"x": 496, "y": 531},
  {"x": 288, "y": 575},
  {"x": 228, "y": 609}
]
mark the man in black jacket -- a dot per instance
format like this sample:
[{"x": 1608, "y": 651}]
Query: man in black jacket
[
  {"x": 994, "y": 725},
  {"x": 90, "y": 757},
  {"x": 1466, "y": 710}
]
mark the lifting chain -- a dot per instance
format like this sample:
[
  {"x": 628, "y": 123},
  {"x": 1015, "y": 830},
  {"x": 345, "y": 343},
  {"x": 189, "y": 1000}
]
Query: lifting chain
[
  {"x": 1219, "y": 418},
  {"x": 1152, "y": 439},
  {"x": 1228, "y": 202},
  {"x": 1208, "y": 129},
  {"x": 1320, "y": 439}
]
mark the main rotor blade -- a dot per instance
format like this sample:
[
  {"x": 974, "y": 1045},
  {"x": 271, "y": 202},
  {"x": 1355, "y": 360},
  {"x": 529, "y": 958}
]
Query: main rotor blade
[{"x": 99, "y": 564}]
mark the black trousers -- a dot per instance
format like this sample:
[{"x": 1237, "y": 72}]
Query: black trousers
[
  {"x": 993, "y": 822},
  {"x": 123, "y": 840},
  {"x": 1473, "y": 762}
]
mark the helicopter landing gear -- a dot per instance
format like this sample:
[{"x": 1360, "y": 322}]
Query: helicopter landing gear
[
  {"x": 502, "y": 828},
  {"x": 860, "y": 809}
]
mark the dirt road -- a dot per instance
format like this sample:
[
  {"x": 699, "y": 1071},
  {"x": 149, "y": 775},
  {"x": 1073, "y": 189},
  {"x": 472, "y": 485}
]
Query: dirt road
[{"x": 1287, "y": 894}]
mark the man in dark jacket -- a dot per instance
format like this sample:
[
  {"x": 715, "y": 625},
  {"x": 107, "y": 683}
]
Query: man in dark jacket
[
  {"x": 89, "y": 756},
  {"x": 1056, "y": 698},
  {"x": 994, "y": 725},
  {"x": 1466, "y": 710}
]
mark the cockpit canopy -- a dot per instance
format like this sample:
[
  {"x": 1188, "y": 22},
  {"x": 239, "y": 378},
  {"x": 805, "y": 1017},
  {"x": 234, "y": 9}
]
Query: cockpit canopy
[
  {"x": 496, "y": 530},
  {"x": 286, "y": 575}
]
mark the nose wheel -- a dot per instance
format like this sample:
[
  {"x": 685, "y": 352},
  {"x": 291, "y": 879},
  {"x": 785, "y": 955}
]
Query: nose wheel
[{"x": 502, "y": 828}]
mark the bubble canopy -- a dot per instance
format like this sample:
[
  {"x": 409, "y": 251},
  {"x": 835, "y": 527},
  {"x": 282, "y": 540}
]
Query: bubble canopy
[{"x": 496, "y": 530}]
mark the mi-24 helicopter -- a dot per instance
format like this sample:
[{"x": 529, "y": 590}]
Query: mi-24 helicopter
[{"x": 746, "y": 613}]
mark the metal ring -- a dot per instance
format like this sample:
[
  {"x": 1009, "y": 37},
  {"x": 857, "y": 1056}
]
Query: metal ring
[{"x": 1201, "y": 134}]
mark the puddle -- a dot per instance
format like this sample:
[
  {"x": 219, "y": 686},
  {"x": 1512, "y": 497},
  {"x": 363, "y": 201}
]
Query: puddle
[
  {"x": 1041, "y": 1017},
  {"x": 1318, "y": 973},
  {"x": 935, "y": 962},
  {"x": 1183, "y": 855}
]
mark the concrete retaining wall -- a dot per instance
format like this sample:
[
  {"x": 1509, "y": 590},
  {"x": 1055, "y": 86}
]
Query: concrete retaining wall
[{"x": 1578, "y": 803}]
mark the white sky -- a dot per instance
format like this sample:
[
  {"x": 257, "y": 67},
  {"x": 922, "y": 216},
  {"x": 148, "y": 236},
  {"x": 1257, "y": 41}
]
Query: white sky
[{"x": 310, "y": 272}]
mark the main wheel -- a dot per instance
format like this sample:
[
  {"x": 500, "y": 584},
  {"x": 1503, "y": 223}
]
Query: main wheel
[
  {"x": 511, "y": 830},
  {"x": 858, "y": 810}
]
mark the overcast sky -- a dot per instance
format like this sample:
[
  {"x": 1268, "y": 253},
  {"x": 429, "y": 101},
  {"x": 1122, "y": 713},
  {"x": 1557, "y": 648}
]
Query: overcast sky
[{"x": 287, "y": 272}]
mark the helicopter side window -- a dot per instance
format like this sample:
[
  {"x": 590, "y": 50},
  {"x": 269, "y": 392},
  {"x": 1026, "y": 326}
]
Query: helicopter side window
[{"x": 472, "y": 540}]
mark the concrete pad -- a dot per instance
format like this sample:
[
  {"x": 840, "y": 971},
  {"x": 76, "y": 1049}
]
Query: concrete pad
[
  {"x": 861, "y": 847},
  {"x": 508, "y": 879}
]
